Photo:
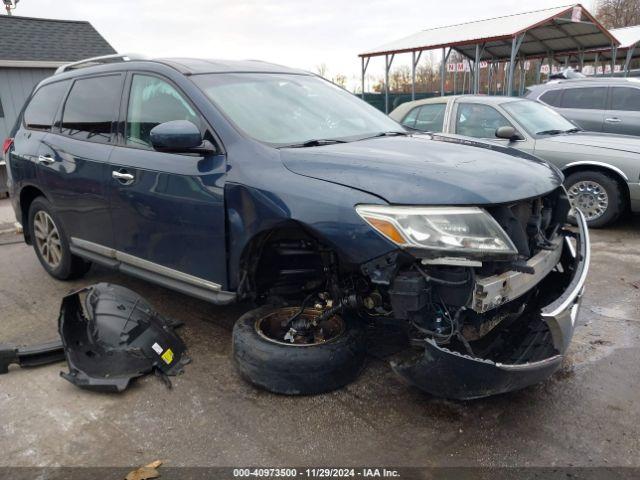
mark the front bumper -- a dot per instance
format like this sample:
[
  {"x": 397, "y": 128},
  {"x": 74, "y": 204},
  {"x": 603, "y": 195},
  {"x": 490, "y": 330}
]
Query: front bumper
[{"x": 446, "y": 373}]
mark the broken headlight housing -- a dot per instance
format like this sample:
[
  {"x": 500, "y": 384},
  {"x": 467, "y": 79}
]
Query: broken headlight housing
[{"x": 448, "y": 230}]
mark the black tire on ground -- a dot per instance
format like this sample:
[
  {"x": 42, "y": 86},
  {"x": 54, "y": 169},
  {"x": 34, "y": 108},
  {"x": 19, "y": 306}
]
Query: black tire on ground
[
  {"x": 297, "y": 370},
  {"x": 70, "y": 266},
  {"x": 611, "y": 186}
]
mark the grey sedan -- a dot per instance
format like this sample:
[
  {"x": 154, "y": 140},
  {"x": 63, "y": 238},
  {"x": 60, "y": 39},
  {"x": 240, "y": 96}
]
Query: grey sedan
[{"x": 602, "y": 171}]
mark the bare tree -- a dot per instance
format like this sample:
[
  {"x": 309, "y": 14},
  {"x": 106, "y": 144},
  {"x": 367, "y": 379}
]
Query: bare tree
[
  {"x": 322, "y": 70},
  {"x": 340, "y": 79},
  {"x": 618, "y": 13}
]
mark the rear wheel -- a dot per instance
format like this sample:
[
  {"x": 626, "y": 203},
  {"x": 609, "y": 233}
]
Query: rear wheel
[
  {"x": 50, "y": 243},
  {"x": 325, "y": 358},
  {"x": 596, "y": 195}
]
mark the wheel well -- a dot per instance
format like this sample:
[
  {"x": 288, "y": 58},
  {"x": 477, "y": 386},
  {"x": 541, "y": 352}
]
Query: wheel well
[
  {"x": 285, "y": 262},
  {"x": 624, "y": 187},
  {"x": 27, "y": 195}
]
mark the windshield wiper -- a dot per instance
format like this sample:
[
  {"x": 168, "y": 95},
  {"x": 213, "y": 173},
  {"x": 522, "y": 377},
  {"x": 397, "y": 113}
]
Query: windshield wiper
[
  {"x": 392, "y": 133},
  {"x": 316, "y": 142},
  {"x": 550, "y": 132},
  {"x": 573, "y": 130}
]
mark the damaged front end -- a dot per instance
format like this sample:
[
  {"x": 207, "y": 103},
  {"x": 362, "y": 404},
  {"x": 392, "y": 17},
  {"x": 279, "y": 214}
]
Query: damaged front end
[{"x": 482, "y": 324}]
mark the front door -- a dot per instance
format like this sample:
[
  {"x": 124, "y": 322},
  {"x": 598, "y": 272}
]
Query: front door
[
  {"x": 623, "y": 114},
  {"x": 167, "y": 209},
  {"x": 481, "y": 121}
]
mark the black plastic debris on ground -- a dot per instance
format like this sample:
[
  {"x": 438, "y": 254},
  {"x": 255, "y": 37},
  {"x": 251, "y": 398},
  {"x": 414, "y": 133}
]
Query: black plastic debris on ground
[
  {"x": 111, "y": 335},
  {"x": 31, "y": 356}
]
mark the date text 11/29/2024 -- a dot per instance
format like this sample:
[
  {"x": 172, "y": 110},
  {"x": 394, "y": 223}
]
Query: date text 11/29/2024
[{"x": 316, "y": 472}]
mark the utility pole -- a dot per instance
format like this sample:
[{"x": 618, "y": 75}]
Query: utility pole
[{"x": 10, "y": 5}]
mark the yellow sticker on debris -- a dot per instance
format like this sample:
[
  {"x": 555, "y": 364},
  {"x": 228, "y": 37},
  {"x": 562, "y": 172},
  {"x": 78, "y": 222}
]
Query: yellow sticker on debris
[{"x": 168, "y": 356}]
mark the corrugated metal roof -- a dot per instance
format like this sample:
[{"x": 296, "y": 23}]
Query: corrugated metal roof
[
  {"x": 558, "y": 29},
  {"x": 48, "y": 40},
  {"x": 628, "y": 36}
]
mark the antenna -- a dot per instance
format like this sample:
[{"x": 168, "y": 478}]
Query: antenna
[{"x": 10, "y": 5}]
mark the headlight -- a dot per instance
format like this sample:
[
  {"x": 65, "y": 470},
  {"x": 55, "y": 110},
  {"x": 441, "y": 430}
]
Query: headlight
[{"x": 447, "y": 229}]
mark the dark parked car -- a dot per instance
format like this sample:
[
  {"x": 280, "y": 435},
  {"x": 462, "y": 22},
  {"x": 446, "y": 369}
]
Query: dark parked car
[
  {"x": 245, "y": 180},
  {"x": 602, "y": 170},
  {"x": 610, "y": 105}
]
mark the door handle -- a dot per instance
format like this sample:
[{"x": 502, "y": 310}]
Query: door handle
[
  {"x": 613, "y": 120},
  {"x": 123, "y": 177},
  {"x": 45, "y": 159}
]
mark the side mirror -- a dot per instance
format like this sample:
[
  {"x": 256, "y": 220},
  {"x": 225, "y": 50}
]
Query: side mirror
[
  {"x": 508, "y": 133},
  {"x": 179, "y": 136}
]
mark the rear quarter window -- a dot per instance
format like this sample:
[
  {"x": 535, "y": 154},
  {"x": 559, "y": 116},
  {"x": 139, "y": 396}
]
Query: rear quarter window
[
  {"x": 551, "y": 97},
  {"x": 41, "y": 110}
]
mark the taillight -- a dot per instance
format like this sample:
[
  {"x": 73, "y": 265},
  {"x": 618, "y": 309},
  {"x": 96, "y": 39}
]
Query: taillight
[{"x": 7, "y": 145}]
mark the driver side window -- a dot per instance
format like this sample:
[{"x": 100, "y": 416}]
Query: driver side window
[
  {"x": 153, "y": 101},
  {"x": 479, "y": 121}
]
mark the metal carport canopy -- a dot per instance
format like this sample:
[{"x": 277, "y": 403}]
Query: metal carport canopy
[
  {"x": 629, "y": 47},
  {"x": 550, "y": 31},
  {"x": 543, "y": 33}
]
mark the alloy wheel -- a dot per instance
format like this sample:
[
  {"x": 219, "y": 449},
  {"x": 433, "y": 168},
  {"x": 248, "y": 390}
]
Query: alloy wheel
[
  {"x": 590, "y": 198},
  {"x": 47, "y": 239}
]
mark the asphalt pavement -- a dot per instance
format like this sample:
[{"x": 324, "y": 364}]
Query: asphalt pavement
[{"x": 587, "y": 414}]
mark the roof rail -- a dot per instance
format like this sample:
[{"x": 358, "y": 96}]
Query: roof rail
[{"x": 116, "y": 57}]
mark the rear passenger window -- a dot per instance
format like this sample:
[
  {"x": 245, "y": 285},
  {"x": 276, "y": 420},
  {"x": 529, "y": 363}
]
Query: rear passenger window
[
  {"x": 431, "y": 117},
  {"x": 552, "y": 97},
  {"x": 40, "y": 112},
  {"x": 91, "y": 108},
  {"x": 590, "y": 98},
  {"x": 625, "y": 98},
  {"x": 153, "y": 101}
]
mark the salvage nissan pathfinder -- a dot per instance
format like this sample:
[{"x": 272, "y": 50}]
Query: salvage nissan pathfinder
[{"x": 250, "y": 181}]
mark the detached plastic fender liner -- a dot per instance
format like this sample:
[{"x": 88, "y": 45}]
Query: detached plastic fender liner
[{"x": 115, "y": 336}]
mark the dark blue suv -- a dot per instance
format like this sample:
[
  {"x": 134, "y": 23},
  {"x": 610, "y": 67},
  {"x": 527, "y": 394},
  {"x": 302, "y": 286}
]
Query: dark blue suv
[{"x": 245, "y": 180}]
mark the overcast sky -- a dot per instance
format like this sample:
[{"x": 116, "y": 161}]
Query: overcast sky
[{"x": 296, "y": 33}]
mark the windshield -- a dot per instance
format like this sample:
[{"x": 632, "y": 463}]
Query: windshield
[
  {"x": 289, "y": 109},
  {"x": 538, "y": 119}
]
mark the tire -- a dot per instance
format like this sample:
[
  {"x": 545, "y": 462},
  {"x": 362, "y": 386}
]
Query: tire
[
  {"x": 296, "y": 369},
  {"x": 610, "y": 186},
  {"x": 69, "y": 266}
]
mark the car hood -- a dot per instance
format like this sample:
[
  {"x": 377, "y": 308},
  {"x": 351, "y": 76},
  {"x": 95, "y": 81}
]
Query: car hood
[
  {"x": 610, "y": 141},
  {"x": 425, "y": 170}
]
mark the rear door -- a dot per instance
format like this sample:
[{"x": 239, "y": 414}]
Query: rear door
[
  {"x": 37, "y": 121},
  {"x": 167, "y": 209},
  {"x": 585, "y": 106},
  {"x": 623, "y": 114},
  {"x": 73, "y": 158}
]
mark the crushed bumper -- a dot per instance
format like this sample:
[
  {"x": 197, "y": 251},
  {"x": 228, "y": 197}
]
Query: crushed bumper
[{"x": 446, "y": 373}]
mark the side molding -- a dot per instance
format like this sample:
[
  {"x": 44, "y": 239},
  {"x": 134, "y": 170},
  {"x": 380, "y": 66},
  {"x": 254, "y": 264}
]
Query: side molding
[{"x": 139, "y": 267}]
